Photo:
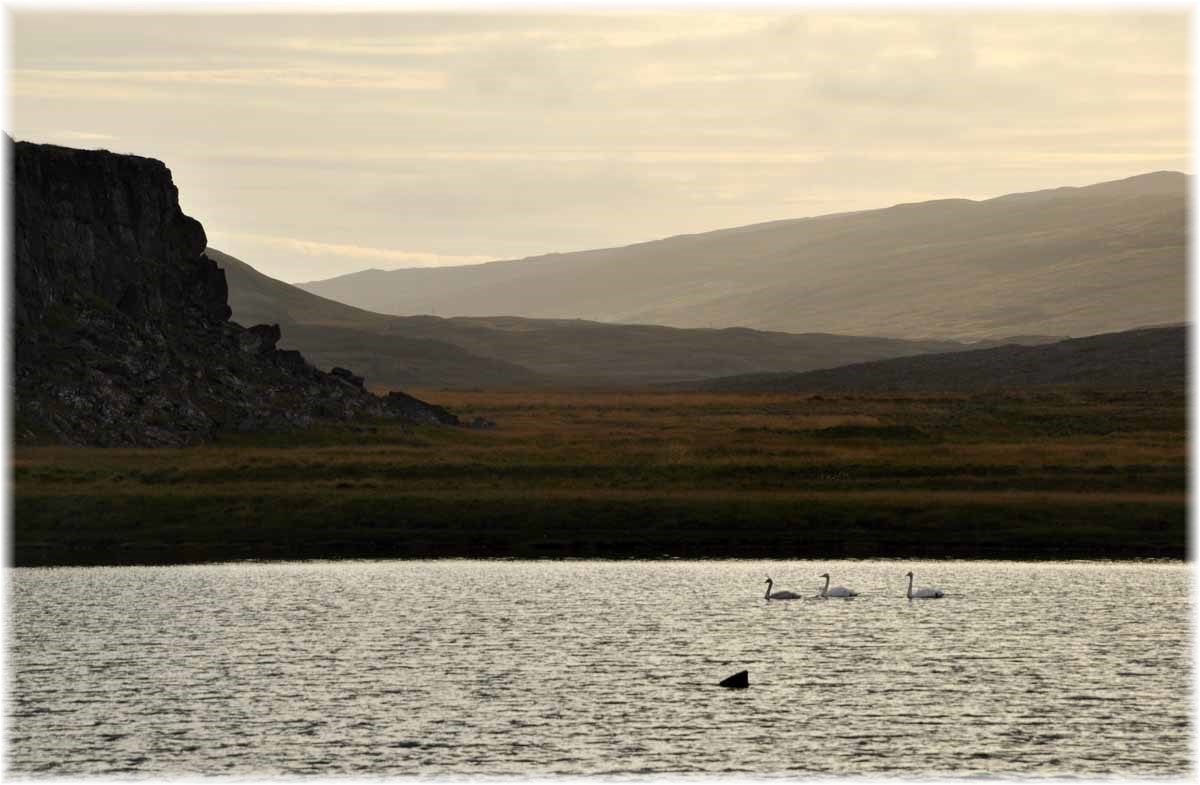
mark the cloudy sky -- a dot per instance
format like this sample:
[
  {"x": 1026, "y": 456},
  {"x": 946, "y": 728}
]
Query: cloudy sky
[{"x": 311, "y": 145}]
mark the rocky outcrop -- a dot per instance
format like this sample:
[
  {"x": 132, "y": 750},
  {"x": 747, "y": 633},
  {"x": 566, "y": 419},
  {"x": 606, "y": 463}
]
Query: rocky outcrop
[{"x": 121, "y": 323}]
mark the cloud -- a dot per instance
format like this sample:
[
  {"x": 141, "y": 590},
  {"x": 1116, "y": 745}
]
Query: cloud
[
  {"x": 358, "y": 252},
  {"x": 330, "y": 143},
  {"x": 83, "y": 136},
  {"x": 578, "y": 32},
  {"x": 299, "y": 76}
]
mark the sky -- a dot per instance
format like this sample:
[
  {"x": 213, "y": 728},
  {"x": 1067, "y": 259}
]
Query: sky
[{"x": 316, "y": 144}]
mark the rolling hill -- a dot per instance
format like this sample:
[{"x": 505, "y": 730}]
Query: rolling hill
[
  {"x": 1066, "y": 261},
  {"x": 1146, "y": 359},
  {"x": 330, "y": 334},
  {"x": 496, "y": 352}
]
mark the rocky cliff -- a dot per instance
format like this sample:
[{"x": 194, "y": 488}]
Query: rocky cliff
[{"x": 121, "y": 323}]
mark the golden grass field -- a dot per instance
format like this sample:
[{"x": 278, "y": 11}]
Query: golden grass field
[{"x": 639, "y": 474}]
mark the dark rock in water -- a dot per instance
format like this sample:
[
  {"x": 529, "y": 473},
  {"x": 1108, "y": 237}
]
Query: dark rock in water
[
  {"x": 120, "y": 322},
  {"x": 739, "y": 680}
]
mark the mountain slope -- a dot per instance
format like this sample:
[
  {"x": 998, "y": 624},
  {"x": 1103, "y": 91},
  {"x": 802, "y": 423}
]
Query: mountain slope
[
  {"x": 509, "y": 351},
  {"x": 1151, "y": 358},
  {"x": 331, "y": 334},
  {"x": 1067, "y": 261}
]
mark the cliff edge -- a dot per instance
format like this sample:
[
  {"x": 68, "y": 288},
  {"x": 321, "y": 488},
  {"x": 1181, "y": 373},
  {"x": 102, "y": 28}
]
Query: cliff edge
[{"x": 121, "y": 323}]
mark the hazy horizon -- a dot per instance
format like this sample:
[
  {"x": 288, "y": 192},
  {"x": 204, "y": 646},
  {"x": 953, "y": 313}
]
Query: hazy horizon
[
  {"x": 720, "y": 228},
  {"x": 317, "y": 145}
]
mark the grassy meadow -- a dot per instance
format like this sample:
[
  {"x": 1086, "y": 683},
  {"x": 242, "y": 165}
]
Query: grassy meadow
[{"x": 639, "y": 474}]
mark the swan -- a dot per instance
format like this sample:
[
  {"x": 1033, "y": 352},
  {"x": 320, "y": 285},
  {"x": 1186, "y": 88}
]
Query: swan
[
  {"x": 779, "y": 595},
  {"x": 836, "y": 591},
  {"x": 922, "y": 594}
]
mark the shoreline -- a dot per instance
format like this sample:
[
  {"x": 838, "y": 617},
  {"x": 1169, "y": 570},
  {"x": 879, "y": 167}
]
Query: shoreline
[
  {"x": 1165, "y": 560},
  {"x": 89, "y": 530}
]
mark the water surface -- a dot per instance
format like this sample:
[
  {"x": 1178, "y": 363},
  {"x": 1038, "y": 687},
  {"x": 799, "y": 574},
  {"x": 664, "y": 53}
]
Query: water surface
[{"x": 583, "y": 667}]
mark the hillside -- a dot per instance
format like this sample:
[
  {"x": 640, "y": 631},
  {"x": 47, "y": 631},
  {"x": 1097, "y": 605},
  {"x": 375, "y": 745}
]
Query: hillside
[
  {"x": 331, "y": 334},
  {"x": 512, "y": 352},
  {"x": 1152, "y": 358},
  {"x": 1067, "y": 261}
]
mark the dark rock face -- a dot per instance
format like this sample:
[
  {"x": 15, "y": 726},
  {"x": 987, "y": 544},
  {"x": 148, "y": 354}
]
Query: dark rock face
[
  {"x": 260, "y": 339},
  {"x": 348, "y": 376},
  {"x": 121, "y": 331}
]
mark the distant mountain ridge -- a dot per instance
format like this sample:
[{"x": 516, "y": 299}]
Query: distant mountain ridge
[
  {"x": 1151, "y": 358},
  {"x": 331, "y": 334},
  {"x": 1064, "y": 261},
  {"x": 431, "y": 351}
]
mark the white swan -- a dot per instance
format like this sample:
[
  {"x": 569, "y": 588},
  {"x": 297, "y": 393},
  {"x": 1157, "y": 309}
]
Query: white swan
[
  {"x": 836, "y": 591},
  {"x": 922, "y": 594},
  {"x": 779, "y": 595}
]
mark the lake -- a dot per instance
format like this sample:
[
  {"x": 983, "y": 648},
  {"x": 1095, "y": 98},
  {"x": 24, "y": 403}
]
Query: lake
[{"x": 545, "y": 669}]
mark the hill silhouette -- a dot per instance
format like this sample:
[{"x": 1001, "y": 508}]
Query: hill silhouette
[
  {"x": 1065, "y": 261},
  {"x": 1146, "y": 359},
  {"x": 496, "y": 352}
]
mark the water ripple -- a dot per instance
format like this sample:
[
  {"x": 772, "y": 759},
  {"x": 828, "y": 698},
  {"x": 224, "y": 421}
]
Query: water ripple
[{"x": 561, "y": 668}]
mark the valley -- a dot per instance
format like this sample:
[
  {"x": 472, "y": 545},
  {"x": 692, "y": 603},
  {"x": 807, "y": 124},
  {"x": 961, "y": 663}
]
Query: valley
[
  {"x": 497, "y": 352},
  {"x": 591, "y": 439}
]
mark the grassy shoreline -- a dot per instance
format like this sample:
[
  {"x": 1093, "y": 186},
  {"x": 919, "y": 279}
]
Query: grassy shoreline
[{"x": 639, "y": 475}]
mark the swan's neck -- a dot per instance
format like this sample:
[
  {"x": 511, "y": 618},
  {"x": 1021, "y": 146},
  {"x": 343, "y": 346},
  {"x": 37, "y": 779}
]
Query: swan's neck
[
  {"x": 825, "y": 588},
  {"x": 910, "y": 587},
  {"x": 768, "y": 594}
]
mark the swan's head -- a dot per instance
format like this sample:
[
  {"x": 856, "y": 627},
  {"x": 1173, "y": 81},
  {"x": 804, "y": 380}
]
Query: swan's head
[
  {"x": 823, "y": 575},
  {"x": 908, "y": 575},
  {"x": 769, "y": 579}
]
